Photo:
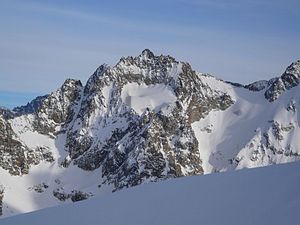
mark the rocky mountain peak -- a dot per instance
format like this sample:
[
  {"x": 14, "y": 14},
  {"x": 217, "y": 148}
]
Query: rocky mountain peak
[
  {"x": 294, "y": 68},
  {"x": 69, "y": 91},
  {"x": 100, "y": 70},
  {"x": 123, "y": 127},
  {"x": 93, "y": 81},
  {"x": 6, "y": 113},
  {"x": 35, "y": 105},
  {"x": 58, "y": 107},
  {"x": 291, "y": 75},
  {"x": 30, "y": 107},
  {"x": 147, "y": 59},
  {"x": 147, "y": 54},
  {"x": 257, "y": 85},
  {"x": 147, "y": 118},
  {"x": 289, "y": 79},
  {"x": 71, "y": 83}
]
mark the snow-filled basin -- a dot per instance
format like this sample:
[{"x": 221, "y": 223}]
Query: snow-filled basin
[{"x": 140, "y": 97}]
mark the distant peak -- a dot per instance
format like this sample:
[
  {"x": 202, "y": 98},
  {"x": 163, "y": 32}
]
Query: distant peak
[
  {"x": 297, "y": 62},
  {"x": 289, "y": 79},
  {"x": 294, "y": 68},
  {"x": 257, "y": 85},
  {"x": 147, "y": 53},
  {"x": 71, "y": 82},
  {"x": 30, "y": 107},
  {"x": 101, "y": 69}
]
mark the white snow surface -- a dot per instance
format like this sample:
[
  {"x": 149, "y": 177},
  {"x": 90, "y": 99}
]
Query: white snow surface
[
  {"x": 140, "y": 97},
  {"x": 19, "y": 194},
  {"x": 261, "y": 196},
  {"x": 237, "y": 132}
]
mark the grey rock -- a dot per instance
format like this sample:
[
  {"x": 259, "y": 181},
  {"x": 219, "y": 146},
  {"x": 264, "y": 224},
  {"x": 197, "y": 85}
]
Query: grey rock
[
  {"x": 289, "y": 79},
  {"x": 1, "y": 199},
  {"x": 39, "y": 188},
  {"x": 145, "y": 147},
  {"x": 258, "y": 85},
  {"x": 75, "y": 195},
  {"x": 30, "y": 107}
]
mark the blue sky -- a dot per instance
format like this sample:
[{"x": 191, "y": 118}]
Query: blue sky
[{"x": 44, "y": 42}]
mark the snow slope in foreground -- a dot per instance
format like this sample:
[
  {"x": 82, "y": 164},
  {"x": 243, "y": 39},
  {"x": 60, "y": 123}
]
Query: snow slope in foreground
[{"x": 269, "y": 195}]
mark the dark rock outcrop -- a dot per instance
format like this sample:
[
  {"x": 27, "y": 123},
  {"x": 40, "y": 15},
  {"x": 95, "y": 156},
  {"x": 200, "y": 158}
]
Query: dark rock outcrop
[
  {"x": 146, "y": 147},
  {"x": 289, "y": 79}
]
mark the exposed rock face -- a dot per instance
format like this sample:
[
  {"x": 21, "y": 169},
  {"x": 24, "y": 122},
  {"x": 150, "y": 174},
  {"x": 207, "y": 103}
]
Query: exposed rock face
[
  {"x": 276, "y": 86},
  {"x": 269, "y": 147},
  {"x": 1, "y": 199},
  {"x": 6, "y": 113},
  {"x": 58, "y": 107},
  {"x": 102, "y": 129},
  {"x": 143, "y": 120},
  {"x": 75, "y": 195},
  {"x": 51, "y": 111},
  {"x": 15, "y": 156},
  {"x": 258, "y": 85},
  {"x": 31, "y": 107},
  {"x": 147, "y": 147},
  {"x": 39, "y": 188},
  {"x": 290, "y": 78}
]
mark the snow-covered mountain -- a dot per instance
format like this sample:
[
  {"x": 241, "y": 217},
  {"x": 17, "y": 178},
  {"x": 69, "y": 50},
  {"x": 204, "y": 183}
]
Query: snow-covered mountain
[
  {"x": 146, "y": 119},
  {"x": 261, "y": 196}
]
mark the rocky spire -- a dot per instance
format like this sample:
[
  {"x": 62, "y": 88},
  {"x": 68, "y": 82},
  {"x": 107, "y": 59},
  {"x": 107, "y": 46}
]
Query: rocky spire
[
  {"x": 147, "y": 54},
  {"x": 289, "y": 79}
]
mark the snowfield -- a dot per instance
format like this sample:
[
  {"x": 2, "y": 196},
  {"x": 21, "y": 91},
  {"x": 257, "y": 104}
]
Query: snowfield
[
  {"x": 261, "y": 196},
  {"x": 154, "y": 97},
  {"x": 240, "y": 131}
]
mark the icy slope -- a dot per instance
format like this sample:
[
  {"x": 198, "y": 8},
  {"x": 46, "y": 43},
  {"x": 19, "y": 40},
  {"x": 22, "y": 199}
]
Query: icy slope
[
  {"x": 252, "y": 132},
  {"x": 264, "y": 196},
  {"x": 141, "y": 97}
]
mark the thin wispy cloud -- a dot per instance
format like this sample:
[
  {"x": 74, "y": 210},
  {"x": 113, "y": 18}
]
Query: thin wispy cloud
[
  {"x": 44, "y": 42},
  {"x": 115, "y": 21},
  {"x": 234, "y": 4}
]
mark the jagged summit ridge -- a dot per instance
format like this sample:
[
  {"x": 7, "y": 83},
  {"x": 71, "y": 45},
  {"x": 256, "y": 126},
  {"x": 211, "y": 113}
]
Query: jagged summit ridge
[
  {"x": 146, "y": 53},
  {"x": 289, "y": 79},
  {"x": 276, "y": 86},
  {"x": 147, "y": 118},
  {"x": 149, "y": 66},
  {"x": 293, "y": 69},
  {"x": 103, "y": 107}
]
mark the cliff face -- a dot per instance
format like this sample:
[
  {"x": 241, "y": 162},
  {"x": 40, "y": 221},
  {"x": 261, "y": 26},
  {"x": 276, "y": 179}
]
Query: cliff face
[{"x": 148, "y": 118}]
